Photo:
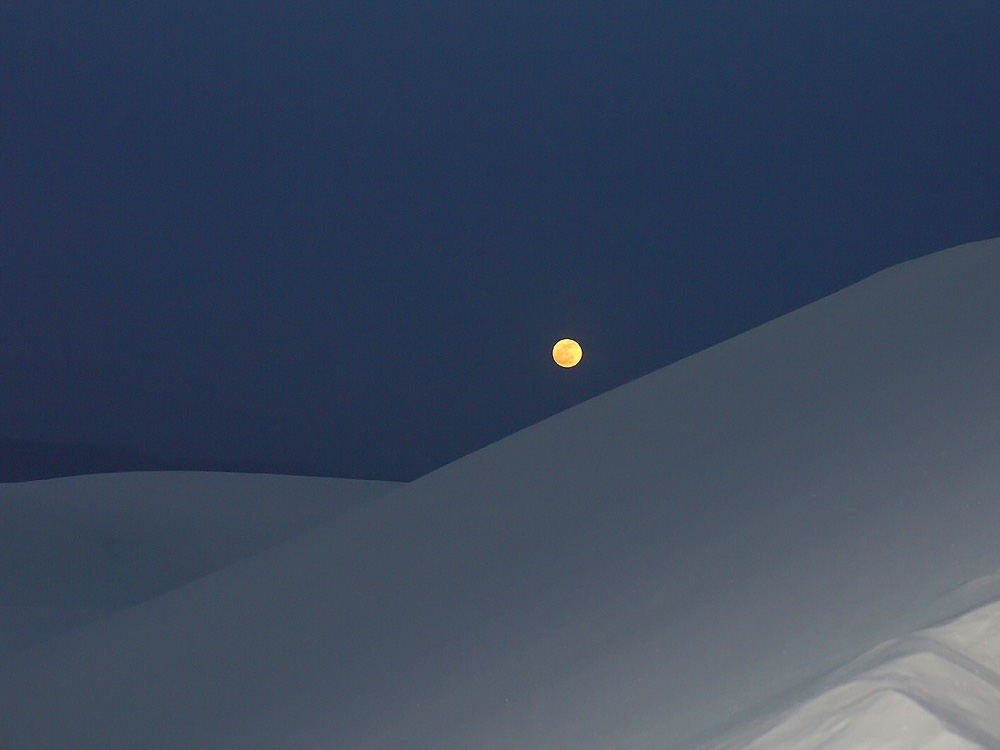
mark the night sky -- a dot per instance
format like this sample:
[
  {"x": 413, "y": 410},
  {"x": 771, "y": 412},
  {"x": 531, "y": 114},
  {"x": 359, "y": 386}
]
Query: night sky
[{"x": 343, "y": 237}]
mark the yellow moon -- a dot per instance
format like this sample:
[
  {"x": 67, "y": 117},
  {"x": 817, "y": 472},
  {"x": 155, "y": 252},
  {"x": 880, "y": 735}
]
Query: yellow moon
[{"x": 567, "y": 353}]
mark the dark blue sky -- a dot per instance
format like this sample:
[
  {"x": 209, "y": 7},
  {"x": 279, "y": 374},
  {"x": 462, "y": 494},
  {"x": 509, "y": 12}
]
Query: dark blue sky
[{"x": 346, "y": 235}]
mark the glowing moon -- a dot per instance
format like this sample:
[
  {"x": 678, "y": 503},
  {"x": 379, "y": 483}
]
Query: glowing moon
[{"x": 567, "y": 353}]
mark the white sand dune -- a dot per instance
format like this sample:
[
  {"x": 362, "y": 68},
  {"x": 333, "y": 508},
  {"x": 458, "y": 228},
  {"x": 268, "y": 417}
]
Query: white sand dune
[
  {"x": 73, "y": 550},
  {"x": 936, "y": 689},
  {"x": 684, "y": 561}
]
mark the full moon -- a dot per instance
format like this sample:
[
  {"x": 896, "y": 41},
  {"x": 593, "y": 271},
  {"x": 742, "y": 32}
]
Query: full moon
[{"x": 567, "y": 353}]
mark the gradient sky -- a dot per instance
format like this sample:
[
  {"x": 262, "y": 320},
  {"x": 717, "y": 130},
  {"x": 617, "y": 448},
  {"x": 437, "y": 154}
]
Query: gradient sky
[{"x": 346, "y": 235}]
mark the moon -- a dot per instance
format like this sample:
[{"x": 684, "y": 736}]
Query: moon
[{"x": 567, "y": 353}]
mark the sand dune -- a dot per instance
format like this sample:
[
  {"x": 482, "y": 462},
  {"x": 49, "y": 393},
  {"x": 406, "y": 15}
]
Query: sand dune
[{"x": 686, "y": 555}]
